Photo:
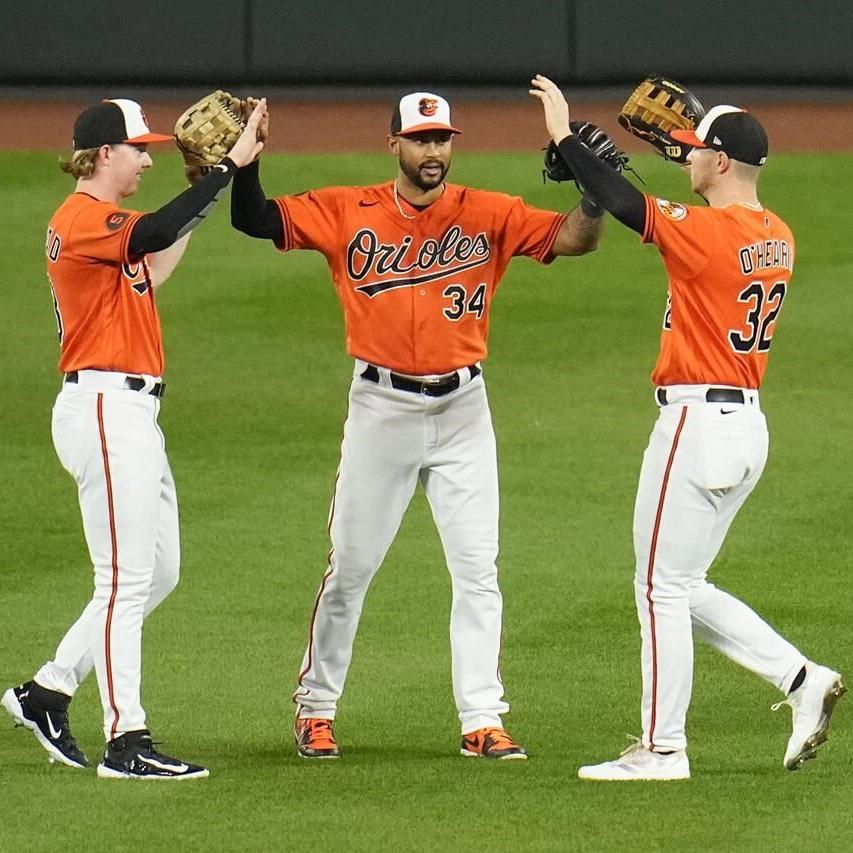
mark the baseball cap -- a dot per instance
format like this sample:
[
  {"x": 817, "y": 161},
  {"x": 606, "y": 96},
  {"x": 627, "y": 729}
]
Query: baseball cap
[
  {"x": 112, "y": 122},
  {"x": 421, "y": 111},
  {"x": 732, "y": 130}
]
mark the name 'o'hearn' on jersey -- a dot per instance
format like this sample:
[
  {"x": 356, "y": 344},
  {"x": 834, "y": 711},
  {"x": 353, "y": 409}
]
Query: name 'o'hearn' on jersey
[
  {"x": 729, "y": 270},
  {"x": 104, "y": 301},
  {"x": 416, "y": 291}
]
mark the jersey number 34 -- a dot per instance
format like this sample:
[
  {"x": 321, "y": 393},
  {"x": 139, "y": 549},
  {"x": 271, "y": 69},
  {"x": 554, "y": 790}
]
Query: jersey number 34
[{"x": 461, "y": 304}]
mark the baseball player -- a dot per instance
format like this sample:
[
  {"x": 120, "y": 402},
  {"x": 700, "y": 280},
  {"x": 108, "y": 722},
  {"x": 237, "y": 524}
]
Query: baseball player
[
  {"x": 104, "y": 263},
  {"x": 729, "y": 267},
  {"x": 416, "y": 262}
]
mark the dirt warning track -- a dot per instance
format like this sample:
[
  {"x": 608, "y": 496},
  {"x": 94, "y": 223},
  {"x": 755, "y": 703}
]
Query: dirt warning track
[{"x": 487, "y": 126}]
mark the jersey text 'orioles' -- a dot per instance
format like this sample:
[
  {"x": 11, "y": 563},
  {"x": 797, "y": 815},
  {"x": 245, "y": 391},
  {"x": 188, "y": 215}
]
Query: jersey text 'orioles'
[{"x": 416, "y": 291}]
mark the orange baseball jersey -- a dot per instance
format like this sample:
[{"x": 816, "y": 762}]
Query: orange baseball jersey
[
  {"x": 416, "y": 288},
  {"x": 729, "y": 270},
  {"x": 103, "y": 298}
]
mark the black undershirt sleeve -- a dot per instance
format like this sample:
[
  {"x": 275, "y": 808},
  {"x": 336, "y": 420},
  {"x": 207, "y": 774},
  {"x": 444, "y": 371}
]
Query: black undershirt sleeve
[
  {"x": 251, "y": 211},
  {"x": 604, "y": 185},
  {"x": 156, "y": 231}
]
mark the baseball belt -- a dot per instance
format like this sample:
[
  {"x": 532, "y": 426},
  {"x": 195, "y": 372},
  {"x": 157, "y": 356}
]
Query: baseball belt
[
  {"x": 437, "y": 388},
  {"x": 712, "y": 395},
  {"x": 131, "y": 383}
]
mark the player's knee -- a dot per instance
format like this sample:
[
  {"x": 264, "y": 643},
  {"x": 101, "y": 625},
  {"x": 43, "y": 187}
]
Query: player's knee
[
  {"x": 354, "y": 569},
  {"x": 661, "y": 588},
  {"x": 700, "y": 591},
  {"x": 133, "y": 585},
  {"x": 475, "y": 575},
  {"x": 164, "y": 581},
  {"x": 167, "y": 579}
]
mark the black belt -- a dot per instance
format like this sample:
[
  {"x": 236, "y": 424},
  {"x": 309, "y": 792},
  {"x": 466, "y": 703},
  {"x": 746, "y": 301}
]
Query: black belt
[
  {"x": 131, "y": 383},
  {"x": 712, "y": 395},
  {"x": 438, "y": 388}
]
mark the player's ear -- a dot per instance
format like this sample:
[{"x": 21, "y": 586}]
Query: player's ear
[{"x": 393, "y": 144}]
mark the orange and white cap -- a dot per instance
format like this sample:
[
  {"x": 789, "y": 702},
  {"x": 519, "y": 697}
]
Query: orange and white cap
[
  {"x": 111, "y": 123},
  {"x": 421, "y": 111}
]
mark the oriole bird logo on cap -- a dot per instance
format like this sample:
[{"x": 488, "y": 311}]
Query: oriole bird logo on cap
[{"x": 428, "y": 106}]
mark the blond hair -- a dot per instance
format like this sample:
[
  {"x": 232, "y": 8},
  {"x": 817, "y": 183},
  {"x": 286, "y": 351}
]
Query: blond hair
[{"x": 80, "y": 164}]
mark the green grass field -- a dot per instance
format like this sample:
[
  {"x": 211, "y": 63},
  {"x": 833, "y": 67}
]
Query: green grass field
[{"x": 257, "y": 391}]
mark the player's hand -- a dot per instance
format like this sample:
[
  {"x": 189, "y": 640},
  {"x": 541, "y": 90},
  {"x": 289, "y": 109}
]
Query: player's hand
[
  {"x": 264, "y": 126},
  {"x": 249, "y": 146},
  {"x": 555, "y": 106}
]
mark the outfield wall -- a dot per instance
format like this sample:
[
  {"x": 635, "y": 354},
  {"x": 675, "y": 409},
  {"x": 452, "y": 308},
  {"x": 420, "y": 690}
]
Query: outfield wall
[{"x": 374, "y": 42}]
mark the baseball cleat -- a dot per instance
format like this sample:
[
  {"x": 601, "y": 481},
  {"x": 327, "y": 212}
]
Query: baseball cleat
[
  {"x": 45, "y": 713},
  {"x": 812, "y": 704},
  {"x": 315, "y": 738},
  {"x": 491, "y": 742},
  {"x": 638, "y": 764},
  {"x": 132, "y": 756}
]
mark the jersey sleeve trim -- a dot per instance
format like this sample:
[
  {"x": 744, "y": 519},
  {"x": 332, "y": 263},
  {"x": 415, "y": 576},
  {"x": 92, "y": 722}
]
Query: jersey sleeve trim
[
  {"x": 286, "y": 242},
  {"x": 544, "y": 255},
  {"x": 648, "y": 231}
]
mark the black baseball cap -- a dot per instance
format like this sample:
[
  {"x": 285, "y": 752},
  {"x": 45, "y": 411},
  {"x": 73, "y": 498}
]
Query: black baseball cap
[
  {"x": 111, "y": 123},
  {"x": 732, "y": 130}
]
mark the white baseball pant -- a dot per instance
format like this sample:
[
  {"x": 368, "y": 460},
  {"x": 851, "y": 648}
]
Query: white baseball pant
[
  {"x": 702, "y": 462},
  {"x": 109, "y": 440},
  {"x": 393, "y": 439}
]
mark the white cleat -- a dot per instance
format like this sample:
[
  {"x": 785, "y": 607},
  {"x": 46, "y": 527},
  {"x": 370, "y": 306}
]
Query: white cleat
[
  {"x": 638, "y": 764},
  {"x": 812, "y": 704}
]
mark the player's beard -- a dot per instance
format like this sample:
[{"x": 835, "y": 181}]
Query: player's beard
[{"x": 423, "y": 182}]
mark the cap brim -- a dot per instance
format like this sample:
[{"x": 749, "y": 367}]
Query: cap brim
[
  {"x": 418, "y": 128},
  {"x": 688, "y": 137},
  {"x": 149, "y": 137}
]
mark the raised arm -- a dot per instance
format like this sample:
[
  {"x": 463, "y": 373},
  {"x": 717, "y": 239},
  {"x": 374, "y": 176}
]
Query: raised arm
[
  {"x": 603, "y": 185},
  {"x": 157, "y": 231},
  {"x": 251, "y": 211}
]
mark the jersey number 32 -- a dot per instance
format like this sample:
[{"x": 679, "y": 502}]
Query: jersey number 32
[{"x": 764, "y": 306}]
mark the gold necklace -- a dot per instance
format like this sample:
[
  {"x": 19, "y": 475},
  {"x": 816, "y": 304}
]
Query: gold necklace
[{"x": 399, "y": 206}]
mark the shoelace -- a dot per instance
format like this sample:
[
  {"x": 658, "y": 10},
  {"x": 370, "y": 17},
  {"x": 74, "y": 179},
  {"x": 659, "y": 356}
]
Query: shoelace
[
  {"x": 635, "y": 746},
  {"x": 500, "y": 738},
  {"x": 155, "y": 753},
  {"x": 147, "y": 746},
  {"x": 777, "y": 705},
  {"x": 320, "y": 730}
]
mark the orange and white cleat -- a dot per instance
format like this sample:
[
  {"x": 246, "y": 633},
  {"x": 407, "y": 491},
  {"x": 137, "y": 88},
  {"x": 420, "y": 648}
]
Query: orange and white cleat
[
  {"x": 492, "y": 742},
  {"x": 315, "y": 738}
]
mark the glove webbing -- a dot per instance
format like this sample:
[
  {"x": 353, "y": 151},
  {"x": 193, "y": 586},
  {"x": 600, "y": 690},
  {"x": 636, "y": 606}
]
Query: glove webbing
[{"x": 657, "y": 106}]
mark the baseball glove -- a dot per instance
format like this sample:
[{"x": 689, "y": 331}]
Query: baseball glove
[
  {"x": 657, "y": 106},
  {"x": 207, "y": 131},
  {"x": 594, "y": 138}
]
